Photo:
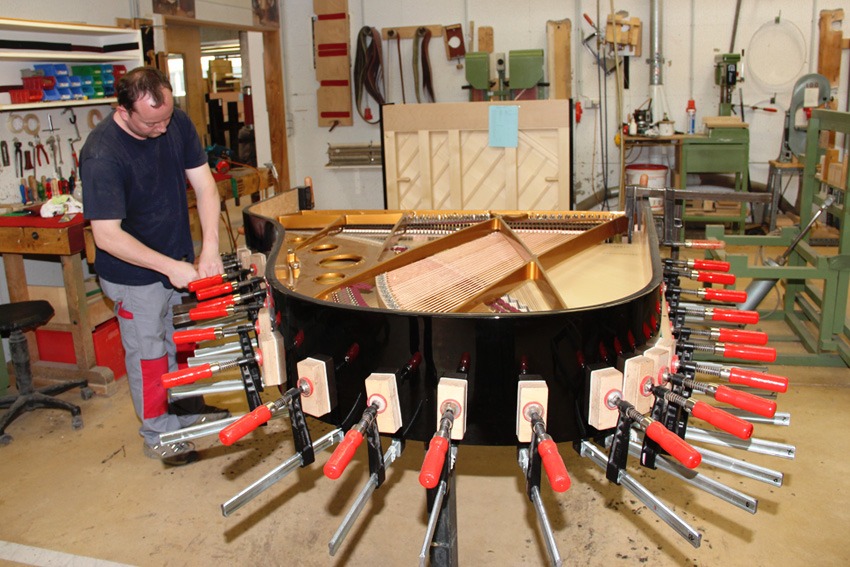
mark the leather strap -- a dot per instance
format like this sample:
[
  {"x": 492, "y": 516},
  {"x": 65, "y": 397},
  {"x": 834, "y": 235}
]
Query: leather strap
[
  {"x": 420, "y": 47},
  {"x": 368, "y": 71}
]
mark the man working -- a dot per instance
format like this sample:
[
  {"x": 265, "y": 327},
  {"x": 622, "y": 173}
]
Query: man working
[{"x": 134, "y": 166}]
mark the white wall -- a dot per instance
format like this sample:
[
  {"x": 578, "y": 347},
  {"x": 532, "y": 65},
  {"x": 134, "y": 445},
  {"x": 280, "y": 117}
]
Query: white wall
[{"x": 521, "y": 25}]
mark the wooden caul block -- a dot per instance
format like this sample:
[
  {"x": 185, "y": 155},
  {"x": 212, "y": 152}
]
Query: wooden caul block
[
  {"x": 530, "y": 392},
  {"x": 661, "y": 357},
  {"x": 318, "y": 375},
  {"x": 270, "y": 343},
  {"x": 381, "y": 388},
  {"x": 453, "y": 390},
  {"x": 637, "y": 382},
  {"x": 604, "y": 384}
]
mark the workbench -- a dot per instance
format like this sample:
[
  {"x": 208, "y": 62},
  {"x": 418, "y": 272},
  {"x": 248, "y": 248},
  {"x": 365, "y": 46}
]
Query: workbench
[
  {"x": 29, "y": 234},
  {"x": 240, "y": 182},
  {"x": 720, "y": 150}
]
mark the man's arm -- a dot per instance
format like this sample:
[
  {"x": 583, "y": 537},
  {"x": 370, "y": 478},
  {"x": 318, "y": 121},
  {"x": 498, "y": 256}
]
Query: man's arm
[
  {"x": 110, "y": 237},
  {"x": 209, "y": 207}
]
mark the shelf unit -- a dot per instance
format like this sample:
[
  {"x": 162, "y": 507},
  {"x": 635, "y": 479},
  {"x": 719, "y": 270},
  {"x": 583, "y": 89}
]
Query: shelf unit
[{"x": 75, "y": 44}]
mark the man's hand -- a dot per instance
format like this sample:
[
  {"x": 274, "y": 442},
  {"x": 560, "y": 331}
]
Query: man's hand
[
  {"x": 209, "y": 263},
  {"x": 181, "y": 273}
]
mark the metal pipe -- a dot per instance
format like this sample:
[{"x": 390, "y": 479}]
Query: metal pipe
[{"x": 656, "y": 58}]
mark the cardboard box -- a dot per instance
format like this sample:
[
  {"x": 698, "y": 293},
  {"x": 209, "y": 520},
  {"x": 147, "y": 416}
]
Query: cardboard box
[{"x": 58, "y": 346}]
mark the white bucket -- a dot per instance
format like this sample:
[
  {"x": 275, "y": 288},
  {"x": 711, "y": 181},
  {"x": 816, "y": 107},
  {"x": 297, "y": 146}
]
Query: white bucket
[{"x": 656, "y": 175}]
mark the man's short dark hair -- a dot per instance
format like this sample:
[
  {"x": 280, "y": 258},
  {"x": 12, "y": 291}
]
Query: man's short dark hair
[{"x": 140, "y": 82}]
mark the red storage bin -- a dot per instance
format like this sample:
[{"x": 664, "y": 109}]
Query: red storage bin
[{"x": 58, "y": 346}]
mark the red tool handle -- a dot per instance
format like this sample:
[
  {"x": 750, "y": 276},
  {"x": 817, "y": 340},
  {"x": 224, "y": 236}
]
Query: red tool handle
[
  {"x": 673, "y": 444},
  {"x": 588, "y": 20},
  {"x": 760, "y": 380},
  {"x": 217, "y": 302},
  {"x": 713, "y": 265},
  {"x": 204, "y": 313},
  {"x": 186, "y": 375},
  {"x": 716, "y": 277},
  {"x": 205, "y": 282},
  {"x": 749, "y": 352},
  {"x": 746, "y": 401},
  {"x": 723, "y": 420},
  {"x": 193, "y": 336},
  {"x": 343, "y": 454},
  {"x": 214, "y": 291},
  {"x": 743, "y": 337},
  {"x": 554, "y": 465},
  {"x": 705, "y": 244},
  {"x": 735, "y": 316},
  {"x": 730, "y": 295},
  {"x": 245, "y": 425},
  {"x": 432, "y": 466}
]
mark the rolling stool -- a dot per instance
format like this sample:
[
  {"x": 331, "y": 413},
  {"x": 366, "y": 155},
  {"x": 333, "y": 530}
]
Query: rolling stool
[{"x": 15, "y": 318}]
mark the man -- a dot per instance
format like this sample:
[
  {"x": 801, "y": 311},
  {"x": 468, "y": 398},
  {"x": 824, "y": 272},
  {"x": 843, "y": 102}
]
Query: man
[{"x": 133, "y": 167}]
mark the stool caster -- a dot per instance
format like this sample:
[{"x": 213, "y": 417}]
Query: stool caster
[
  {"x": 77, "y": 422},
  {"x": 5, "y": 439},
  {"x": 86, "y": 393}
]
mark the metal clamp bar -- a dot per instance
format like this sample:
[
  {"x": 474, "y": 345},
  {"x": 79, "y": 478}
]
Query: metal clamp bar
[
  {"x": 196, "y": 431},
  {"x": 392, "y": 453},
  {"x": 702, "y": 482},
  {"x": 753, "y": 445},
  {"x": 724, "y": 462},
  {"x": 434, "y": 515},
  {"x": 203, "y": 389},
  {"x": 278, "y": 473},
  {"x": 587, "y": 449},
  {"x": 779, "y": 418},
  {"x": 524, "y": 459}
]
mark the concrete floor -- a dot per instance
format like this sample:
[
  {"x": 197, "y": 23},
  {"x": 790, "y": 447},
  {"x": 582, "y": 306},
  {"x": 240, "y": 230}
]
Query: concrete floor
[{"x": 91, "y": 494}]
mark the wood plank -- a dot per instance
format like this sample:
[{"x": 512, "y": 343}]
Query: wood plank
[
  {"x": 455, "y": 170},
  {"x": 276, "y": 105},
  {"x": 409, "y": 32},
  {"x": 485, "y": 39},
  {"x": 533, "y": 114},
  {"x": 425, "y": 170},
  {"x": 829, "y": 45},
  {"x": 559, "y": 59}
]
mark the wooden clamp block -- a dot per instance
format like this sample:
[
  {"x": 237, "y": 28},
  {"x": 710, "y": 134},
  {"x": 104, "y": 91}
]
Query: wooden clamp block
[
  {"x": 257, "y": 263},
  {"x": 270, "y": 343},
  {"x": 243, "y": 256},
  {"x": 638, "y": 374},
  {"x": 381, "y": 388},
  {"x": 317, "y": 373},
  {"x": 529, "y": 392},
  {"x": 604, "y": 384},
  {"x": 453, "y": 390},
  {"x": 662, "y": 357}
]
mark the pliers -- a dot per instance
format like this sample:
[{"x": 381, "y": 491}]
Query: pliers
[
  {"x": 19, "y": 158},
  {"x": 38, "y": 150}
]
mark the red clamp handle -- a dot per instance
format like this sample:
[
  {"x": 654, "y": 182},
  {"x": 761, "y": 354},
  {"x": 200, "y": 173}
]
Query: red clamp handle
[
  {"x": 716, "y": 277},
  {"x": 735, "y": 316},
  {"x": 743, "y": 337},
  {"x": 554, "y": 465},
  {"x": 186, "y": 375},
  {"x": 204, "y": 313},
  {"x": 432, "y": 466},
  {"x": 730, "y": 295},
  {"x": 244, "y": 425},
  {"x": 205, "y": 282},
  {"x": 760, "y": 380},
  {"x": 705, "y": 244},
  {"x": 673, "y": 444},
  {"x": 217, "y": 302},
  {"x": 214, "y": 291},
  {"x": 714, "y": 265},
  {"x": 723, "y": 420},
  {"x": 343, "y": 454},
  {"x": 749, "y": 352},
  {"x": 193, "y": 336},
  {"x": 746, "y": 401}
]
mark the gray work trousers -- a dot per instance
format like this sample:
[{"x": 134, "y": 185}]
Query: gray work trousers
[{"x": 144, "y": 314}]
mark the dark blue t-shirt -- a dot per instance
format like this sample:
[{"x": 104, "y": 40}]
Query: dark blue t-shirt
[{"x": 143, "y": 183}]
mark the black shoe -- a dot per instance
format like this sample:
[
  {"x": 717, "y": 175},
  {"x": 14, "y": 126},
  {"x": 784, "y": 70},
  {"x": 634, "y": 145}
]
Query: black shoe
[{"x": 173, "y": 454}]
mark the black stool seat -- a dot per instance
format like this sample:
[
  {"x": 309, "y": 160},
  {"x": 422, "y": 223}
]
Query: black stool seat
[
  {"x": 15, "y": 319},
  {"x": 24, "y": 315}
]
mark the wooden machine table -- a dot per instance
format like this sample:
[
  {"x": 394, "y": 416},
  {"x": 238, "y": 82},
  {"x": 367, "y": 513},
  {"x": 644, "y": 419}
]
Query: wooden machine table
[{"x": 30, "y": 234}]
